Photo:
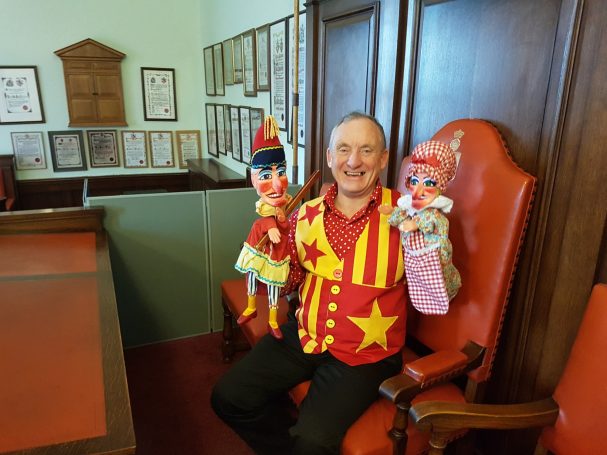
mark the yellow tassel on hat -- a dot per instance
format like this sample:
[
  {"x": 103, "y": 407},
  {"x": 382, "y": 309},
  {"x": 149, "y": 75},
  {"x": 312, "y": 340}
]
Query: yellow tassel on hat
[{"x": 270, "y": 128}]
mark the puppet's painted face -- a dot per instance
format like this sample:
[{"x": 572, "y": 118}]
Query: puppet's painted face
[
  {"x": 271, "y": 184},
  {"x": 423, "y": 190}
]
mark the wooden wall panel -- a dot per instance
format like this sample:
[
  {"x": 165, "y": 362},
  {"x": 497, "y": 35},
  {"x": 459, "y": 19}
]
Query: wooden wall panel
[
  {"x": 488, "y": 60},
  {"x": 56, "y": 193},
  {"x": 352, "y": 63}
]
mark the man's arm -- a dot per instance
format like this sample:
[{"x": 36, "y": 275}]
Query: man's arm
[{"x": 296, "y": 271}]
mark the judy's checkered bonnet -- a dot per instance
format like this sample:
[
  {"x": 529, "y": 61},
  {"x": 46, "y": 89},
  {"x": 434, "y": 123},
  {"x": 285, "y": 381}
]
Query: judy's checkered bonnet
[{"x": 435, "y": 159}]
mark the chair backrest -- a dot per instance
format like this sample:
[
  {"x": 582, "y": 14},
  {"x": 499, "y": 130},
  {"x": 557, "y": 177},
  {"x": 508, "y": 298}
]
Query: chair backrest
[
  {"x": 492, "y": 200},
  {"x": 582, "y": 391}
]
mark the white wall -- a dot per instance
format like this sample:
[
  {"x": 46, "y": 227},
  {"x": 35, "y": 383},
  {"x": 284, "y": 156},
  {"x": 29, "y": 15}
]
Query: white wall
[{"x": 151, "y": 33}]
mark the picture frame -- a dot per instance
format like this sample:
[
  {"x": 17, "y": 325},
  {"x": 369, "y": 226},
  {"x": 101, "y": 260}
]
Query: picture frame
[
  {"x": 256, "y": 117},
  {"x": 134, "y": 149},
  {"x": 188, "y": 146},
  {"x": 218, "y": 65},
  {"x": 211, "y": 130},
  {"x": 103, "y": 148},
  {"x": 278, "y": 74},
  {"x": 263, "y": 58},
  {"x": 161, "y": 148},
  {"x": 235, "y": 127},
  {"x": 159, "y": 94},
  {"x": 20, "y": 97},
  {"x": 67, "y": 150},
  {"x": 301, "y": 113},
  {"x": 228, "y": 61},
  {"x": 209, "y": 71},
  {"x": 245, "y": 135},
  {"x": 237, "y": 53},
  {"x": 221, "y": 129},
  {"x": 249, "y": 63},
  {"x": 28, "y": 148},
  {"x": 228, "y": 128}
]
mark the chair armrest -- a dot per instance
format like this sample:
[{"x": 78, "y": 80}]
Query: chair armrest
[
  {"x": 447, "y": 416},
  {"x": 436, "y": 368},
  {"x": 433, "y": 366}
]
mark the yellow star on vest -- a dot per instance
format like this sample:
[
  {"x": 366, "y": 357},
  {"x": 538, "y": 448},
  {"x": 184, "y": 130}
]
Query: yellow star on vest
[{"x": 375, "y": 327}]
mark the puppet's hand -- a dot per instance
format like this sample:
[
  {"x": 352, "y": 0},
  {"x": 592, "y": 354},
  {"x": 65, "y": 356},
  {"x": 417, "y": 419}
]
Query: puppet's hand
[
  {"x": 385, "y": 209},
  {"x": 408, "y": 226},
  {"x": 274, "y": 235}
]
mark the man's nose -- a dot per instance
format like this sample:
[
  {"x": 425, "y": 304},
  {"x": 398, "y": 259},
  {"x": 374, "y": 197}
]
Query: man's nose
[{"x": 354, "y": 159}]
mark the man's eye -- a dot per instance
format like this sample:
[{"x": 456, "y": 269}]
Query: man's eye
[
  {"x": 343, "y": 150},
  {"x": 429, "y": 182},
  {"x": 366, "y": 152}
]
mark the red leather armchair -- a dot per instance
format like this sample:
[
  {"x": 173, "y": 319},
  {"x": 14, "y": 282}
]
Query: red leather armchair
[
  {"x": 572, "y": 418},
  {"x": 492, "y": 200}
]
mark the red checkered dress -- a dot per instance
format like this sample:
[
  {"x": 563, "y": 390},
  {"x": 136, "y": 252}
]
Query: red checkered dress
[{"x": 427, "y": 290}]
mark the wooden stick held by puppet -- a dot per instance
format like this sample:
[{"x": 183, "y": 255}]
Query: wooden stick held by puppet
[
  {"x": 432, "y": 278},
  {"x": 270, "y": 263}
]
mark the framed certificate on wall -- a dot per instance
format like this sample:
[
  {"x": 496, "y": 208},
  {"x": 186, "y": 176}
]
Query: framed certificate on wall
[
  {"x": 209, "y": 71},
  {"x": 249, "y": 63},
  {"x": 211, "y": 130},
  {"x": 28, "y": 149},
  {"x": 188, "y": 146},
  {"x": 67, "y": 150},
  {"x": 103, "y": 148},
  {"x": 134, "y": 149},
  {"x": 235, "y": 125},
  {"x": 278, "y": 73},
  {"x": 161, "y": 148},
  {"x": 159, "y": 102}
]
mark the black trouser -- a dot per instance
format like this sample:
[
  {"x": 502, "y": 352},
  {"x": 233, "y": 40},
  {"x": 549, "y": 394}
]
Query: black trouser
[{"x": 250, "y": 396}]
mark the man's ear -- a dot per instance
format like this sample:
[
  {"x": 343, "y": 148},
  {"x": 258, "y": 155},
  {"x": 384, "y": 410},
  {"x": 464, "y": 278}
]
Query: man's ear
[{"x": 329, "y": 157}]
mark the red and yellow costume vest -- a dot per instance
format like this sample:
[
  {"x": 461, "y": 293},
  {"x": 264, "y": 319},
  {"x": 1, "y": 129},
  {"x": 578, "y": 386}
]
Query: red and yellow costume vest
[{"x": 356, "y": 306}]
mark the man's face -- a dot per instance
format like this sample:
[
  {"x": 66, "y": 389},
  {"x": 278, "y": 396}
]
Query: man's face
[
  {"x": 357, "y": 157},
  {"x": 271, "y": 184},
  {"x": 423, "y": 190}
]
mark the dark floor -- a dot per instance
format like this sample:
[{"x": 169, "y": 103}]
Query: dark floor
[{"x": 170, "y": 386}]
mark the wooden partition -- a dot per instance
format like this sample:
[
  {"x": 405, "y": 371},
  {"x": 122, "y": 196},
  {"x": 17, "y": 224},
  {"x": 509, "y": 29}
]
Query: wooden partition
[{"x": 63, "y": 385}]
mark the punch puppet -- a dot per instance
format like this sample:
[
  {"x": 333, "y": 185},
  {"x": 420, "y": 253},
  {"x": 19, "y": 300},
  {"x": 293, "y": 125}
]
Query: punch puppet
[
  {"x": 432, "y": 278},
  {"x": 270, "y": 264}
]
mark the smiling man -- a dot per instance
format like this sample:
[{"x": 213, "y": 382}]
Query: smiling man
[{"x": 349, "y": 326}]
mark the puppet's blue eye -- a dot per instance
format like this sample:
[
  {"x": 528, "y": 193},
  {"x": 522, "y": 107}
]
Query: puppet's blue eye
[
  {"x": 264, "y": 175},
  {"x": 281, "y": 171},
  {"x": 414, "y": 180},
  {"x": 429, "y": 182}
]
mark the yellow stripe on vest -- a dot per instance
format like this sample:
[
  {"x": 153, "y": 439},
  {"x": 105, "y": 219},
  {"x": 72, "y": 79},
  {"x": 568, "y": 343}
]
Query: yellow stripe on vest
[
  {"x": 360, "y": 254},
  {"x": 381, "y": 269}
]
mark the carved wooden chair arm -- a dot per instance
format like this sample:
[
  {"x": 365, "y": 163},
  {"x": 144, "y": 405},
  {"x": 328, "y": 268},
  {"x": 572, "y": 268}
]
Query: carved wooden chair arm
[
  {"x": 445, "y": 416},
  {"x": 436, "y": 368}
]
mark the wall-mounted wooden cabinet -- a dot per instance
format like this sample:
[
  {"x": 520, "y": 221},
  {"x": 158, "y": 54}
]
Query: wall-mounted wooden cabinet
[{"x": 93, "y": 84}]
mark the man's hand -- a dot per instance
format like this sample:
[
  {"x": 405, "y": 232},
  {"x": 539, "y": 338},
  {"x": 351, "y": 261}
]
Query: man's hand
[
  {"x": 385, "y": 209},
  {"x": 274, "y": 235}
]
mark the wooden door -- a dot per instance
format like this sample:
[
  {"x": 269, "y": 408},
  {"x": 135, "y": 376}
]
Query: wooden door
[{"x": 352, "y": 68}]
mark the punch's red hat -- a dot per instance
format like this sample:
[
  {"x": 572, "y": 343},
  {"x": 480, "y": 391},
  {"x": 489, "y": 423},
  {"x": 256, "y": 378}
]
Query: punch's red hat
[
  {"x": 267, "y": 149},
  {"x": 435, "y": 159}
]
